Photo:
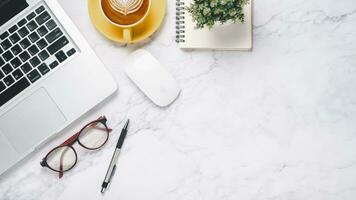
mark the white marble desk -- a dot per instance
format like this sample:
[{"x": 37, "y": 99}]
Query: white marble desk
[{"x": 277, "y": 123}]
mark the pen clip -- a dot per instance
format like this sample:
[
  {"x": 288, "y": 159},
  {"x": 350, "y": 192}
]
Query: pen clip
[{"x": 112, "y": 173}]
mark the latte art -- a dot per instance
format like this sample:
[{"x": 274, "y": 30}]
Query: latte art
[
  {"x": 126, "y": 7},
  {"x": 125, "y": 12}
]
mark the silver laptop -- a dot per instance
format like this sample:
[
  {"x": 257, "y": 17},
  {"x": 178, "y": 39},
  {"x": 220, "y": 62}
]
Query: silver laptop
[{"x": 49, "y": 76}]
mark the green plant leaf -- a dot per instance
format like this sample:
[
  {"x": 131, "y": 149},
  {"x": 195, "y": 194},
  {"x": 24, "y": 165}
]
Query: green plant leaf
[{"x": 207, "y": 13}]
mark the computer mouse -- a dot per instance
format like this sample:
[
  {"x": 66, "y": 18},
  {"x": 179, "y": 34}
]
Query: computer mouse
[{"x": 152, "y": 78}]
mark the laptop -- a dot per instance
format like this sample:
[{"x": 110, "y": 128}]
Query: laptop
[{"x": 49, "y": 76}]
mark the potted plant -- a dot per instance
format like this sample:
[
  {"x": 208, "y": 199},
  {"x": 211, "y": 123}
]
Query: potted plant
[{"x": 207, "y": 13}]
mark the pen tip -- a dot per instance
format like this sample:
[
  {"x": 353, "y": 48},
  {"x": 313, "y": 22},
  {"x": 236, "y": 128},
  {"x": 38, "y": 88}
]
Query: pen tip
[
  {"x": 127, "y": 124},
  {"x": 102, "y": 190}
]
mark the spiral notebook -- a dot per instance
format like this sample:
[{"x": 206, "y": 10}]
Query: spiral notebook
[{"x": 230, "y": 36}]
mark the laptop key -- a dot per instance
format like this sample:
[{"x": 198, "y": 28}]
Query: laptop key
[
  {"x": 31, "y": 16},
  {"x": 33, "y": 50},
  {"x": 39, "y": 9},
  {"x": 4, "y": 35},
  {"x": 23, "y": 32},
  {"x": 7, "y": 55},
  {"x": 43, "y": 68},
  {"x": 57, "y": 45},
  {"x": 42, "y": 30},
  {"x": 2, "y": 86},
  {"x": 17, "y": 74},
  {"x": 33, "y": 76},
  {"x": 6, "y": 44},
  {"x": 13, "y": 28},
  {"x": 24, "y": 56},
  {"x": 26, "y": 68},
  {"x": 71, "y": 52},
  {"x": 1, "y": 50},
  {"x": 52, "y": 36},
  {"x": 42, "y": 18},
  {"x": 51, "y": 24},
  {"x": 61, "y": 56},
  {"x": 7, "y": 69},
  {"x": 25, "y": 43},
  {"x": 22, "y": 22},
  {"x": 32, "y": 25},
  {"x": 14, "y": 90},
  {"x": 9, "y": 80},
  {"x": 16, "y": 62},
  {"x": 15, "y": 38},
  {"x": 53, "y": 64},
  {"x": 35, "y": 61},
  {"x": 1, "y": 75},
  {"x": 16, "y": 49},
  {"x": 42, "y": 43},
  {"x": 43, "y": 55},
  {"x": 1, "y": 62},
  {"x": 33, "y": 37}
]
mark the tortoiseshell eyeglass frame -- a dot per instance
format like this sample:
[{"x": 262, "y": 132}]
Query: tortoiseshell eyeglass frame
[{"x": 72, "y": 140}]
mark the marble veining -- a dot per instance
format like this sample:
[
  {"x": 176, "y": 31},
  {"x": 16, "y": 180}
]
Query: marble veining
[{"x": 276, "y": 123}]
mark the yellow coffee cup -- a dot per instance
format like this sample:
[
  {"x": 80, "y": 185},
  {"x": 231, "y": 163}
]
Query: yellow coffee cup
[{"x": 126, "y": 14}]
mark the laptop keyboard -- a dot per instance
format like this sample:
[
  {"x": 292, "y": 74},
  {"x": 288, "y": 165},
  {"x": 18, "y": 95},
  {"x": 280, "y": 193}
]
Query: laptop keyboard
[{"x": 29, "y": 50}]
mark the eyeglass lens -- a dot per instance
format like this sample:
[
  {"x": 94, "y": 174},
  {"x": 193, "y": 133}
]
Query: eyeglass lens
[
  {"x": 62, "y": 158},
  {"x": 93, "y": 136}
]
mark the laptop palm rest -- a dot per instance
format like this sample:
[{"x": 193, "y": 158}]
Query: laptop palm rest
[{"x": 23, "y": 130}]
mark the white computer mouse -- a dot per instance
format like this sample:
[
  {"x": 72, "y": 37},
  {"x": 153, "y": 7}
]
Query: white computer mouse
[{"x": 152, "y": 78}]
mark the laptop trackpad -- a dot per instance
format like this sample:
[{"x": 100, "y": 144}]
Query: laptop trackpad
[{"x": 31, "y": 121}]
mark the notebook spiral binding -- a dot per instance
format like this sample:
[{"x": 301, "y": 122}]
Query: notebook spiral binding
[{"x": 180, "y": 32}]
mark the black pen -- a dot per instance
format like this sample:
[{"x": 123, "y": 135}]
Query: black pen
[{"x": 112, "y": 167}]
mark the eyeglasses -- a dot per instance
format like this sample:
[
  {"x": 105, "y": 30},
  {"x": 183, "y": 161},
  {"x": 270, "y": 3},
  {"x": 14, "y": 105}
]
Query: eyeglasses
[{"x": 92, "y": 136}]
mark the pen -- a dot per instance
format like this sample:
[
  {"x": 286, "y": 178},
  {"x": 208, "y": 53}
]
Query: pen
[{"x": 112, "y": 167}]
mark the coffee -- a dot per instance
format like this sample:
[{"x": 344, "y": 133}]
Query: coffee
[{"x": 125, "y": 12}]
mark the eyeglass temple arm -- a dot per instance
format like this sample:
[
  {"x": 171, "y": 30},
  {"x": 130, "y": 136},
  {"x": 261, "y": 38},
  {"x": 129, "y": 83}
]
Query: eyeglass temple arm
[
  {"x": 61, "y": 163},
  {"x": 71, "y": 139},
  {"x": 67, "y": 142}
]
